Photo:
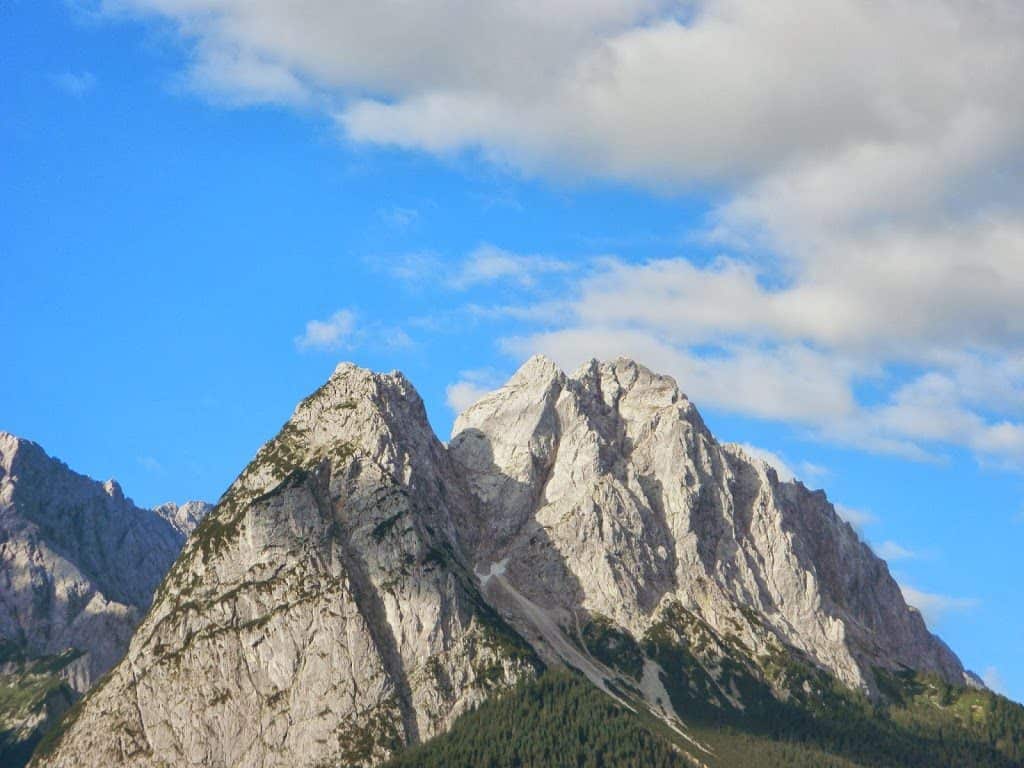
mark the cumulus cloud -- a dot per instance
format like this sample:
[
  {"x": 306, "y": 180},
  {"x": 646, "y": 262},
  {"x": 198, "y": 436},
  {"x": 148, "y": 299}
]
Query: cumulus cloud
[
  {"x": 330, "y": 334},
  {"x": 793, "y": 355},
  {"x": 935, "y": 607},
  {"x": 470, "y": 387},
  {"x": 863, "y": 159},
  {"x": 342, "y": 331}
]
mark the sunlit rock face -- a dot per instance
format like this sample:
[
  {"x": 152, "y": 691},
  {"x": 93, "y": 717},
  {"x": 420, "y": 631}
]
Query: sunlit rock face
[
  {"x": 184, "y": 517},
  {"x": 324, "y": 613},
  {"x": 604, "y": 491},
  {"x": 360, "y": 584}
]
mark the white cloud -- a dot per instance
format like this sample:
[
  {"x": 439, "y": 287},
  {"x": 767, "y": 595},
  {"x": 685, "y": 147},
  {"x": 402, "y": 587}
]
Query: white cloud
[
  {"x": 75, "y": 83},
  {"x": 151, "y": 464},
  {"x": 813, "y": 471},
  {"x": 935, "y": 607},
  {"x": 489, "y": 264},
  {"x": 413, "y": 268},
  {"x": 342, "y": 331},
  {"x": 890, "y": 550},
  {"x": 858, "y": 518},
  {"x": 399, "y": 217},
  {"x": 333, "y": 333},
  {"x": 790, "y": 354},
  {"x": 993, "y": 680},
  {"x": 484, "y": 265},
  {"x": 771, "y": 459},
  {"x": 788, "y": 383},
  {"x": 864, "y": 157},
  {"x": 470, "y": 387}
]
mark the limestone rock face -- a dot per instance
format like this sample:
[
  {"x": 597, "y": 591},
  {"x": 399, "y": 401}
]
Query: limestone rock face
[
  {"x": 184, "y": 517},
  {"x": 360, "y": 585},
  {"x": 324, "y": 613},
  {"x": 604, "y": 493},
  {"x": 78, "y": 561}
]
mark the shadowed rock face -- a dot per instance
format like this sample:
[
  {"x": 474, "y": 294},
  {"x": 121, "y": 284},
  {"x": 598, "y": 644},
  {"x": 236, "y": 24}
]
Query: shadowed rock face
[
  {"x": 78, "y": 561},
  {"x": 360, "y": 585}
]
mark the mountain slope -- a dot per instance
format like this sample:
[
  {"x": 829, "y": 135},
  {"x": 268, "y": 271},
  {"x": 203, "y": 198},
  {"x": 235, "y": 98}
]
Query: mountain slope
[
  {"x": 561, "y": 720},
  {"x": 323, "y": 612},
  {"x": 360, "y": 586},
  {"x": 78, "y": 566}
]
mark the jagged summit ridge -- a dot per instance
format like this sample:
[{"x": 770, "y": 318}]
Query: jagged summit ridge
[
  {"x": 606, "y": 492},
  {"x": 360, "y": 584}
]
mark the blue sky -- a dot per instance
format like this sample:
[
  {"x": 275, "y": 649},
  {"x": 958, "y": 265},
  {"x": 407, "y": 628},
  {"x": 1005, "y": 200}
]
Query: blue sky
[{"x": 199, "y": 220}]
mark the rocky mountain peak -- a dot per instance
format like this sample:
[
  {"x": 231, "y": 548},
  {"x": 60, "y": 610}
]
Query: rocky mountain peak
[
  {"x": 605, "y": 494},
  {"x": 325, "y": 612},
  {"x": 78, "y": 559},
  {"x": 360, "y": 584}
]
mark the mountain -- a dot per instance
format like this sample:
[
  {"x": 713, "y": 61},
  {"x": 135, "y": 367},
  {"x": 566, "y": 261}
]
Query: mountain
[
  {"x": 79, "y": 563},
  {"x": 362, "y": 588},
  {"x": 184, "y": 517}
]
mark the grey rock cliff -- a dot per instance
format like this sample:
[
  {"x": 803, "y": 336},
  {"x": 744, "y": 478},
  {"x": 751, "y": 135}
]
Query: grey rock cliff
[
  {"x": 79, "y": 562},
  {"x": 360, "y": 585},
  {"x": 184, "y": 517},
  {"x": 324, "y": 613},
  {"x": 604, "y": 493}
]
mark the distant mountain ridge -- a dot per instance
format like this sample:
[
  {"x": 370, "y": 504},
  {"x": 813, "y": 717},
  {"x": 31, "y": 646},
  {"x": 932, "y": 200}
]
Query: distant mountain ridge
[{"x": 79, "y": 563}]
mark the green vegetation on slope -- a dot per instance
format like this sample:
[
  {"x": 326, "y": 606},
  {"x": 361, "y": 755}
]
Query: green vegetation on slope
[
  {"x": 919, "y": 720},
  {"x": 778, "y": 711},
  {"x": 32, "y": 698},
  {"x": 556, "y": 721}
]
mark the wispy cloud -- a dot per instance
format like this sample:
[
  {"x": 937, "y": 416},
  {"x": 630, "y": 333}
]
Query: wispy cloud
[
  {"x": 890, "y": 550},
  {"x": 813, "y": 471},
  {"x": 858, "y": 518},
  {"x": 490, "y": 264},
  {"x": 934, "y": 607},
  {"x": 399, "y": 217},
  {"x": 150, "y": 464},
  {"x": 78, "y": 84},
  {"x": 993, "y": 680},
  {"x": 485, "y": 266}
]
